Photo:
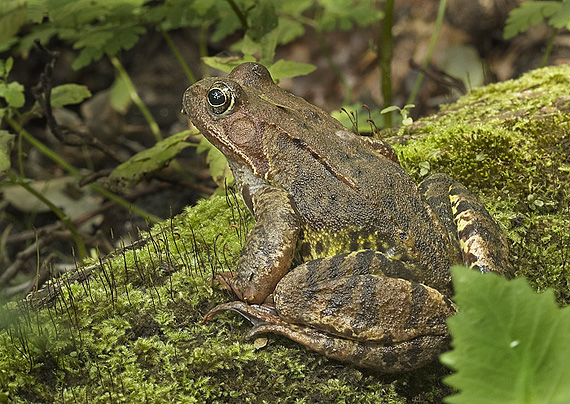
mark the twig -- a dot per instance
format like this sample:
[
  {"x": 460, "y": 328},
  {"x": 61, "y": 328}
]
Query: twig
[
  {"x": 441, "y": 77},
  {"x": 42, "y": 93}
]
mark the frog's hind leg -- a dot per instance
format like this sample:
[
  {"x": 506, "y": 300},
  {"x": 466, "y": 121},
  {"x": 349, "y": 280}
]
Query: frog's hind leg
[
  {"x": 483, "y": 244},
  {"x": 394, "y": 358}
]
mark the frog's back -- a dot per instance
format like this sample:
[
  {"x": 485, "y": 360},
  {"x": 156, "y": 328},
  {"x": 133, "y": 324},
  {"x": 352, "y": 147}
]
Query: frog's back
[{"x": 356, "y": 198}]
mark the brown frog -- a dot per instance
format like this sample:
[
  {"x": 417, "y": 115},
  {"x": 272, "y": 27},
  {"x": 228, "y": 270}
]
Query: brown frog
[{"x": 348, "y": 256}]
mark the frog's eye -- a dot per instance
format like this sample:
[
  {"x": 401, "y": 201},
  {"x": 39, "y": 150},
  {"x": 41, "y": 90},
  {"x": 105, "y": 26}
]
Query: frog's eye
[{"x": 221, "y": 99}]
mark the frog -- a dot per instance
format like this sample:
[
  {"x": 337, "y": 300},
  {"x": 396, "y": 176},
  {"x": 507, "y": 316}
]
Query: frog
[{"x": 348, "y": 256}]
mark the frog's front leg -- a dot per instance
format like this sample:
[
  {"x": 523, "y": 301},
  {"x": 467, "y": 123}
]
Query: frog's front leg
[{"x": 269, "y": 246}]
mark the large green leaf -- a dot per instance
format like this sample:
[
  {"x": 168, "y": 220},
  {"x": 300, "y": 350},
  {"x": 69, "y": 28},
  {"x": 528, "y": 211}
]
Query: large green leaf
[{"x": 510, "y": 344}]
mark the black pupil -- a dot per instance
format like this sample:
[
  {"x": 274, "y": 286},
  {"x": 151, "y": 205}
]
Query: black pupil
[{"x": 216, "y": 97}]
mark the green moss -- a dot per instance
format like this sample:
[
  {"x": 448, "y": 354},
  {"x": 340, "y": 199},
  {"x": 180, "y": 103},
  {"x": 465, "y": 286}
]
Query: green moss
[
  {"x": 132, "y": 332},
  {"x": 510, "y": 144}
]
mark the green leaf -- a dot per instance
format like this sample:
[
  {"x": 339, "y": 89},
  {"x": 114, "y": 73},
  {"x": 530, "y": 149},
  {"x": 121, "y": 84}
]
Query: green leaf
[
  {"x": 13, "y": 93},
  {"x": 295, "y": 7},
  {"x": 561, "y": 18},
  {"x": 262, "y": 19},
  {"x": 343, "y": 14},
  {"x": 13, "y": 14},
  {"x": 67, "y": 94},
  {"x": 150, "y": 160},
  {"x": 227, "y": 22},
  {"x": 173, "y": 14},
  {"x": 527, "y": 14},
  {"x": 6, "y": 140},
  {"x": 226, "y": 63},
  {"x": 391, "y": 108},
  {"x": 219, "y": 168},
  {"x": 286, "y": 69},
  {"x": 120, "y": 96},
  {"x": 268, "y": 44},
  {"x": 86, "y": 56},
  {"x": 5, "y": 67},
  {"x": 510, "y": 344},
  {"x": 289, "y": 30}
]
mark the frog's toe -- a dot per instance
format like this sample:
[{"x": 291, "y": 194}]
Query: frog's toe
[
  {"x": 391, "y": 358},
  {"x": 256, "y": 314}
]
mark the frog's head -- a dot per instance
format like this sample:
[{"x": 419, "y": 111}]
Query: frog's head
[{"x": 226, "y": 111}]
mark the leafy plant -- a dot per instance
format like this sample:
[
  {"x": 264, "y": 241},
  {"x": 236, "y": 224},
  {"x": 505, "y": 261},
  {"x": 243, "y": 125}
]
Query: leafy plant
[
  {"x": 404, "y": 113},
  {"x": 555, "y": 13},
  {"x": 510, "y": 343}
]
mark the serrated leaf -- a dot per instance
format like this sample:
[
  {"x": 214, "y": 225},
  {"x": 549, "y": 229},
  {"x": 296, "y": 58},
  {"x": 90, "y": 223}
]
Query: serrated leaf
[
  {"x": 527, "y": 14},
  {"x": 150, "y": 160},
  {"x": 561, "y": 18},
  {"x": 341, "y": 14},
  {"x": 510, "y": 344},
  {"x": 228, "y": 21},
  {"x": 262, "y": 19},
  {"x": 6, "y": 139},
  {"x": 67, "y": 94},
  {"x": 286, "y": 69},
  {"x": 86, "y": 56}
]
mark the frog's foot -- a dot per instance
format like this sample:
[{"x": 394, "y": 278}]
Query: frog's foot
[
  {"x": 256, "y": 314},
  {"x": 384, "y": 358},
  {"x": 225, "y": 278}
]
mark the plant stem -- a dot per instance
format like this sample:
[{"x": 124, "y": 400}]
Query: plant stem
[
  {"x": 136, "y": 99},
  {"x": 178, "y": 56},
  {"x": 81, "y": 249},
  {"x": 46, "y": 151},
  {"x": 239, "y": 14},
  {"x": 386, "y": 43},
  {"x": 432, "y": 42},
  {"x": 549, "y": 45}
]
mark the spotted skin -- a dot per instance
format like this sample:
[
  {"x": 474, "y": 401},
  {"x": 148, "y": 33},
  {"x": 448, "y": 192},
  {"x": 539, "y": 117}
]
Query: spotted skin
[{"x": 348, "y": 256}]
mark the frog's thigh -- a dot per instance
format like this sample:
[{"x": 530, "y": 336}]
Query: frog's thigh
[
  {"x": 393, "y": 358},
  {"x": 482, "y": 242},
  {"x": 371, "y": 308}
]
